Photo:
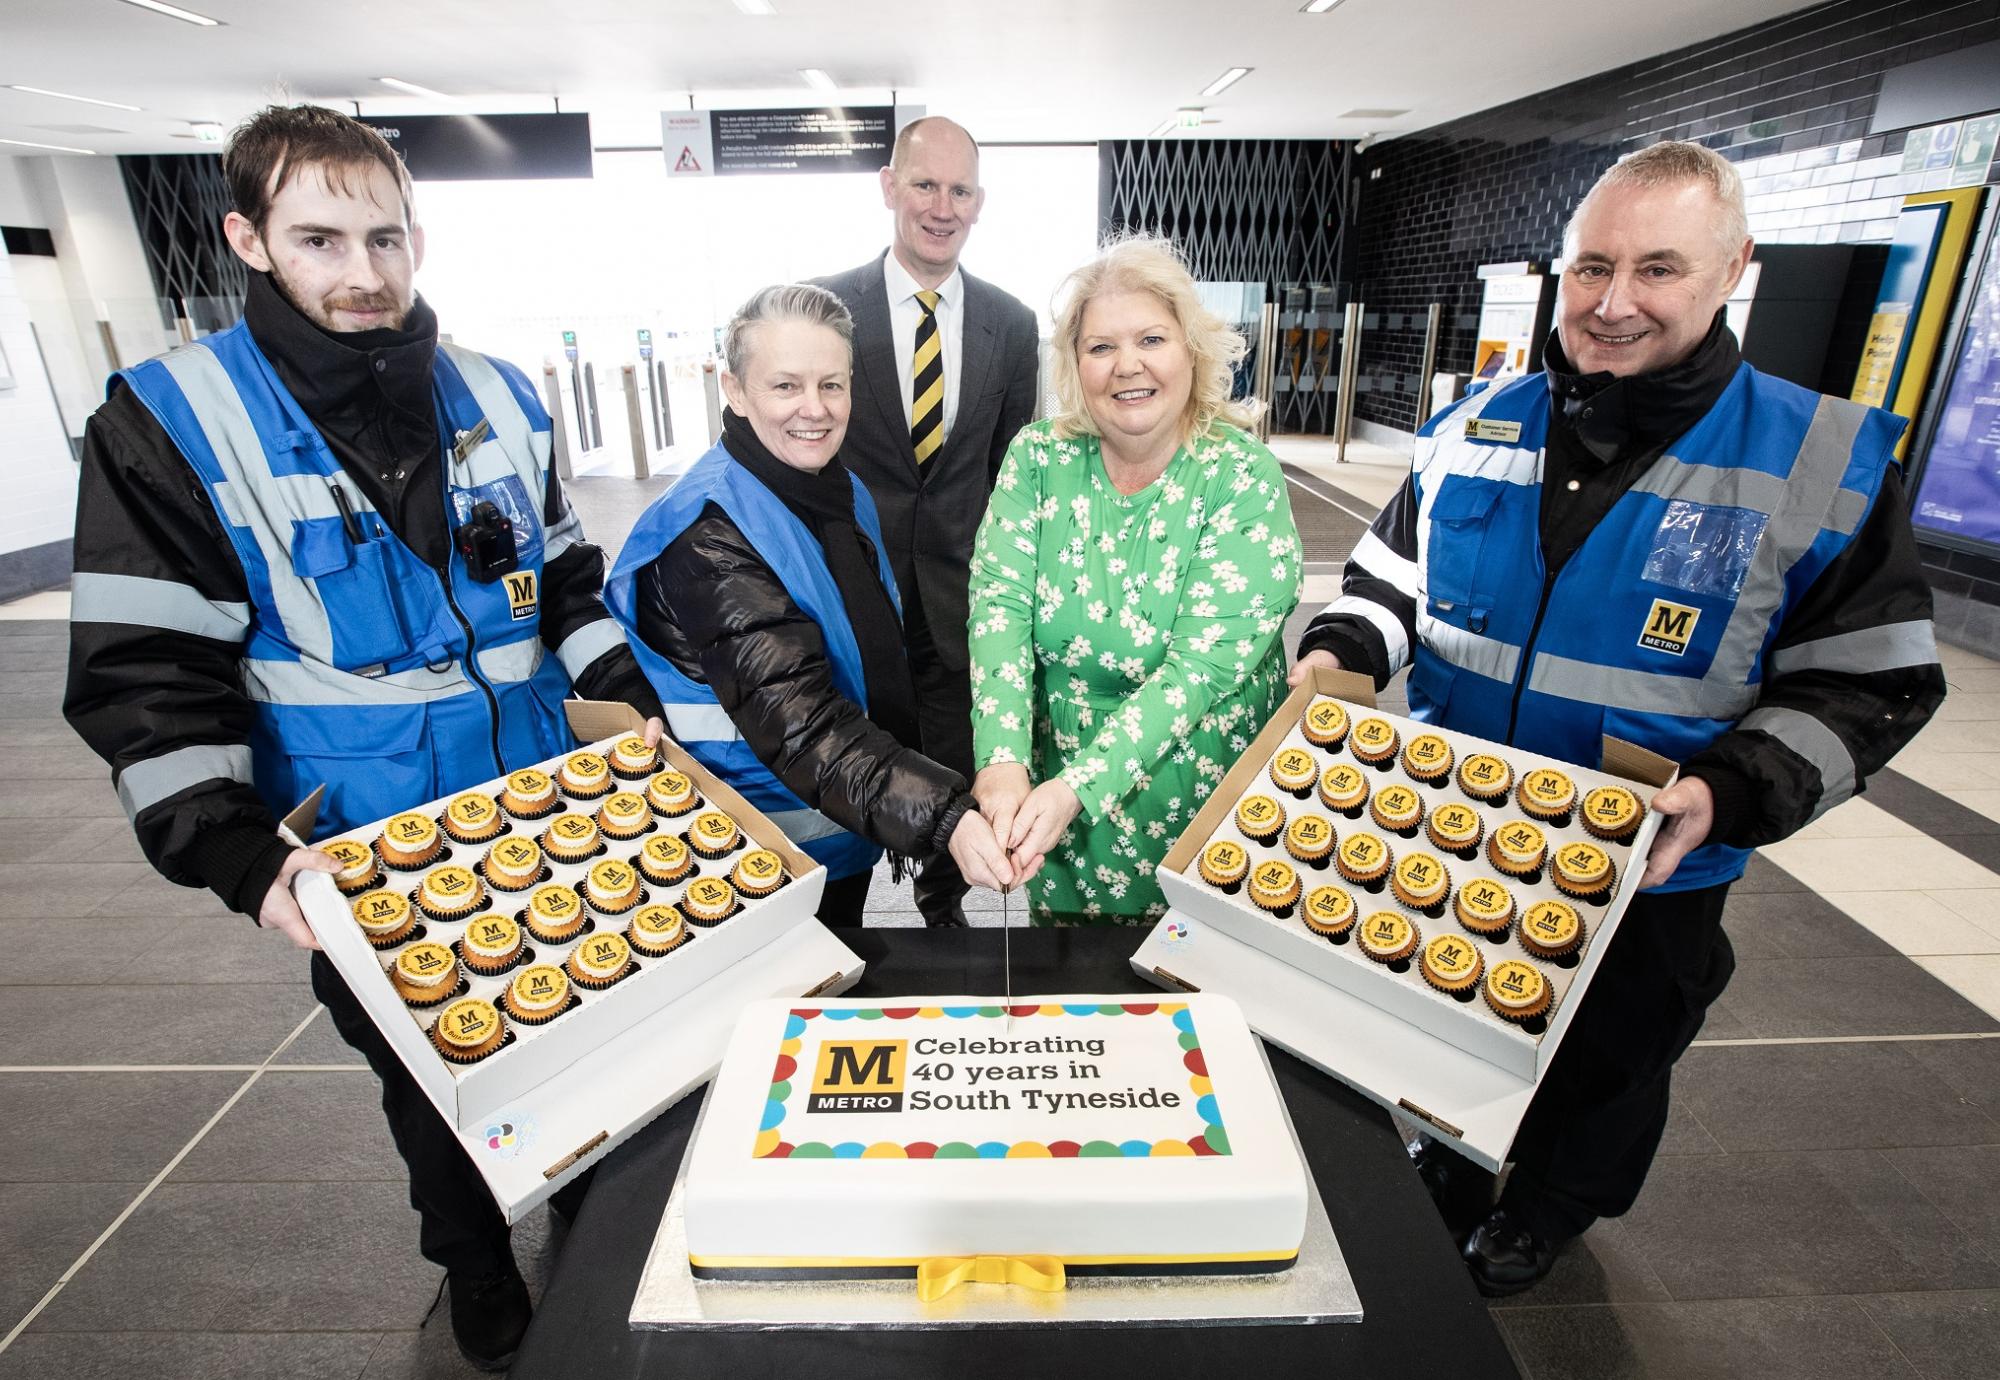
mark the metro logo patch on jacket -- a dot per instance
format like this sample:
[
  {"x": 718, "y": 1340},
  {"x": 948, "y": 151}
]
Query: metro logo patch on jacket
[
  {"x": 522, "y": 594},
  {"x": 1669, "y": 627}
]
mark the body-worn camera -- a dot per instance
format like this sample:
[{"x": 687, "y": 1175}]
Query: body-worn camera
[{"x": 486, "y": 541}]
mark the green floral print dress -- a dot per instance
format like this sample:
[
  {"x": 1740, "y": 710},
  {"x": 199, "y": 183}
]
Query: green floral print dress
[{"x": 1130, "y": 643}]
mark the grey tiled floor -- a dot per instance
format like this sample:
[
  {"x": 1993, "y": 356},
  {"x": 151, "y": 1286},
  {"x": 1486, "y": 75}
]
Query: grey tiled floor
[{"x": 1822, "y": 1207}]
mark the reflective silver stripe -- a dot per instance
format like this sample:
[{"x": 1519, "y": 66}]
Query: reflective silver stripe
[
  {"x": 701, "y": 723},
  {"x": 258, "y": 501},
  {"x": 1386, "y": 622},
  {"x": 588, "y": 643},
  {"x": 147, "y": 783},
  {"x": 297, "y": 682},
  {"x": 562, "y": 535},
  {"x": 511, "y": 425},
  {"x": 1642, "y": 692},
  {"x": 803, "y": 826},
  {"x": 1373, "y": 555},
  {"x": 1816, "y": 743},
  {"x": 145, "y": 603},
  {"x": 1715, "y": 486},
  {"x": 515, "y": 661},
  {"x": 1469, "y": 651},
  {"x": 1887, "y": 648}
]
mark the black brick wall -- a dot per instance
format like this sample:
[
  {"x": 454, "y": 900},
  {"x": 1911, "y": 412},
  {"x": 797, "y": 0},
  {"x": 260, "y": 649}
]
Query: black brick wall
[{"x": 1498, "y": 186}]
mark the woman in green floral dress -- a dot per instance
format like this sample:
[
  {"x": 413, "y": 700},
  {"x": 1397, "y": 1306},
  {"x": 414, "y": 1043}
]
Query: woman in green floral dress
[{"x": 1130, "y": 584}]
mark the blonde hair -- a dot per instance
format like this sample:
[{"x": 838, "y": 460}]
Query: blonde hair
[
  {"x": 1148, "y": 263},
  {"x": 1666, "y": 163}
]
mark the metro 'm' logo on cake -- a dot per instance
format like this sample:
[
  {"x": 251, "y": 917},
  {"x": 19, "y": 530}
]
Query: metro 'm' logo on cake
[{"x": 858, "y": 1076}]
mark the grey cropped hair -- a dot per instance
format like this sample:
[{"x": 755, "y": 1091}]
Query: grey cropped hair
[{"x": 783, "y": 302}]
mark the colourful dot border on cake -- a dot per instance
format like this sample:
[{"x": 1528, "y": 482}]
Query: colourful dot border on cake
[{"x": 1212, "y": 1141}]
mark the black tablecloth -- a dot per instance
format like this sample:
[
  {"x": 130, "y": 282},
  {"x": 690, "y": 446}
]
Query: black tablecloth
[{"x": 1421, "y": 1314}]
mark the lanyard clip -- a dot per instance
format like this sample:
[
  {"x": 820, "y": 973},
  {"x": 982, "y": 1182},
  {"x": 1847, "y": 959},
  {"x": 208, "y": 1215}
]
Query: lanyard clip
[{"x": 468, "y": 441}]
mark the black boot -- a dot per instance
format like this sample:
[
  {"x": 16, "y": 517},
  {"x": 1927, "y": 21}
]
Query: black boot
[
  {"x": 489, "y": 1316},
  {"x": 1462, "y": 1191},
  {"x": 1506, "y": 1255}
]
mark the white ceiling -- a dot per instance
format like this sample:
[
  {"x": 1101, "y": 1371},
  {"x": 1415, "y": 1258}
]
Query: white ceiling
[{"x": 1009, "y": 69}]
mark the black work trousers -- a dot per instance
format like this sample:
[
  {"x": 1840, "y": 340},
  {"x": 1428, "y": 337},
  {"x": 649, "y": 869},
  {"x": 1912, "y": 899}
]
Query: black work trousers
[
  {"x": 1588, "y": 1140},
  {"x": 944, "y": 717},
  {"x": 461, "y": 1226}
]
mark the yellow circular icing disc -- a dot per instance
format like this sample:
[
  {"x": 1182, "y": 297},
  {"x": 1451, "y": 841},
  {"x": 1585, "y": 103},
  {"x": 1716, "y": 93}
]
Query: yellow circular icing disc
[
  {"x": 425, "y": 962},
  {"x": 1274, "y": 877},
  {"x": 573, "y": 828},
  {"x": 1516, "y": 985},
  {"x": 1309, "y": 832},
  {"x": 634, "y": 746},
  {"x": 1549, "y": 787},
  {"x": 1374, "y": 733},
  {"x": 1551, "y": 923},
  {"x": 410, "y": 830},
  {"x": 658, "y": 922},
  {"x": 670, "y": 785},
  {"x": 472, "y": 810},
  {"x": 468, "y": 1022},
  {"x": 760, "y": 866},
  {"x": 450, "y": 881},
  {"x": 1258, "y": 811},
  {"x": 1583, "y": 863},
  {"x": 603, "y": 953},
  {"x": 1611, "y": 808},
  {"x": 1484, "y": 898},
  {"x": 493, "y": 934},
  {"x": 1451, "y": 957},
  {"x": 1385, "y": 931},
  {"x": 381, "y": 910},
  {"x": 1295, "y": 764},
  {"x": 667, "y": 851},
  {"x": 1420, "y": 873},
  {"x": 711, "y": 895},
  {"x": 625, "y": 807},
  {"x": 715, "y": 827},
  {"x": 1454, "y": 823},
  {"x": 1483, "y": 772},
  {"x": 585, "y": 766},
  {"x": 517, "y": 853},
  {"x": 1520, "y": 839},
  {"x": 540, "y": 987},
  {"x": 350, "y": 852},
  {"x": 1326, "y": 717},
  {"x": 613, "y": 877},
  {"x": 1342, "y": 782},
  {"x": 1427, "y": 750},
  {"x": 555, "y": 902},
  {"x": 1330, "y": 905},
  {"x": 1362, "y": 851},
  {"x": 1396, "y": 802},
  {"x": 529, "y": 782}
]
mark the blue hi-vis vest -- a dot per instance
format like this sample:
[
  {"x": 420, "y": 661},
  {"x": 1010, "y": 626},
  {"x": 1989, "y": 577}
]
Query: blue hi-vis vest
[
  {"x": 1656, "y": 630},
  {"x": 362, "y": 673},
  {"x": 694, "y": 716}
]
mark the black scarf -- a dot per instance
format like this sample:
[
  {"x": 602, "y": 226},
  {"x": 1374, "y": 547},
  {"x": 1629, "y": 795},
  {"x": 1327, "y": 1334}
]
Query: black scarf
[
  {"x": 824, "y": 502},
  {"x": 1613, "y": 417}
]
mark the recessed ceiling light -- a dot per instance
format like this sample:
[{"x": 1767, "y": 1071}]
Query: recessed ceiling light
[
  {"x": 176, "y": 12},
  {"x": 755, "y": 6},
  {"x": 817, "y": 78},
  {"x": 413, "y": 89},
  {"x": 1370, "y": 112},
  {"x": 1317, "y": 6},
  {"x": 208, "y": 131},
  {"x": 1225, "y": 81},
  {"x": 31, "y": 144},
  {"x": 65, "y": 96}
]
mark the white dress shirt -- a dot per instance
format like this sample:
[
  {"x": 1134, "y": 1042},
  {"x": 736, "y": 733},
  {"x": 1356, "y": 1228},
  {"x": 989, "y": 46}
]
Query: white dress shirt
[{"x": 906, "y": 312}]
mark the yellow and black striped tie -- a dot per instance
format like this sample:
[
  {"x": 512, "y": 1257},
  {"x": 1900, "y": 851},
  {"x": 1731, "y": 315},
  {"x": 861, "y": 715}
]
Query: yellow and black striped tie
[{"x": 927, "y": 383}]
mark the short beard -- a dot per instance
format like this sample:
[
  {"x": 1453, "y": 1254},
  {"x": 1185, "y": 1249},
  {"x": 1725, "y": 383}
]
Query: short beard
[{"x": 321, "y": 317}]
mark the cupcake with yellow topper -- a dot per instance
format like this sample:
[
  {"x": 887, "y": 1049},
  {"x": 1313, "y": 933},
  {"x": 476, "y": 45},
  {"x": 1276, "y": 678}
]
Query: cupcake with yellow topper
[
  {"x": 1330, "y": 913},
  {"x": 409, "y": 841},
  {"x": 1310, "y": 838},
  {"x": 1422, "y": 882},
  {"x": 1547, "y": 794},
  {"x": 469, "y": 1030},
  {"x": 1363, "y": 859},
  {"x": 599, "y": 961},
  {"x": 450, "y": 892},
  {"x": 657, "y": 930},
  {"x": 1517, "y": 848},
  {"x": 1324, "y": 724},
  {"x": 757, "y": 873},
  {"x": 1452, "y": 963},
  {"x": 473, "y": 817},
  {"x": 424, "y": 974},
  {"x": 584, "y": 775},
  {"x": 1274, "y": 886},
  {"x": 537, "y": 995},
  {"x": 1612, "y": 813},
  {"x": 1485, "y": 906},
  {"x": 671, "y": 793},
  {"x": 708, "y": 901},
  {"x": 1388, "y": 936},
  {"x": 513, "y": 864},
  {"x": 1427, "y": 758},
  {"x": 359, "y": 867},
  {"x": 1294, "y": 770},
  {"x": 666, "y": 859},
  {"x": 1224, "y": 864},
  {"x": 1517, "y": 991},
  {"x": 633, "y": 759},
  {"x": 555, "y": 914},
  {"x": 624, "y": 815},
  {"x": 1583, "y": 870},
  {"x": 1551, "y": 929},
  {"x": 1259, "y": 818},
  {"x": 385, "y": 918},
  {"x": 1485, "y": 778},
  {"x": 1373, "y": 742},
  {"x": 612, "y": 887},
  {"x": 714, "y": 834},
  {"x": 490, "y": 945},
  {"x": 570, "y": 838},
  {"x": 1398, "y": 808},
  {"x": 1456, "y": 828},
  {"x": 530, "y": 794},
  {"x": 1344, "y": 789}
]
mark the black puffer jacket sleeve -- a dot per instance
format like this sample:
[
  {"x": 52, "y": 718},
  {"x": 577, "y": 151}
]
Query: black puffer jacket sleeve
[{"x": 710, "y": 605}]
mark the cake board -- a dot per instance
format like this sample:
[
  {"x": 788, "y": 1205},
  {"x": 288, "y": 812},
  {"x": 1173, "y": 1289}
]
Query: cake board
[
  {"x": 1317, "y": 1289},
  {"x": 1461, "y": 1099}
]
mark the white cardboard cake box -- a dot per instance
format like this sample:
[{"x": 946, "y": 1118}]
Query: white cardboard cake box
[
  {"x": 1456, "y": 1067},
  {"x": 558, "y": 1097}
]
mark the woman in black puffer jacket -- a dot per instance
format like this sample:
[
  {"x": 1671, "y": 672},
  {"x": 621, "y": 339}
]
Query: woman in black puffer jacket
[{"x": 756, "y": 599}]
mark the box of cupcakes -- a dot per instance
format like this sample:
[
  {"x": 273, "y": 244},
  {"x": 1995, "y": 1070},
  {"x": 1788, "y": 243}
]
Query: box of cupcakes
[
  {"x": 502, "y": 936},
  {"x": 1464, "y": 888}
]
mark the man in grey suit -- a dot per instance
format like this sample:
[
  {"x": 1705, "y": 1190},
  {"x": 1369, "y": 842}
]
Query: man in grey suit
[{"x": 946, "y": 369}]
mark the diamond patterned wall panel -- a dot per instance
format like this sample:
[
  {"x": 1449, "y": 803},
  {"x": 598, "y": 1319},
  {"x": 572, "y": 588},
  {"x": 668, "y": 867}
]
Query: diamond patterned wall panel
[
  {"x": 178, "y": 201},
  {"x": 1246, "y": 210}
]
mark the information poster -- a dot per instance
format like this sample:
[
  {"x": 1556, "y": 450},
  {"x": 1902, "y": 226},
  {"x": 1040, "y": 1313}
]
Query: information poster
[
  {"x": 1958, "y": 493},
  {"x": 831, "y": 139},
  {"x": 1904, "y": 279}
]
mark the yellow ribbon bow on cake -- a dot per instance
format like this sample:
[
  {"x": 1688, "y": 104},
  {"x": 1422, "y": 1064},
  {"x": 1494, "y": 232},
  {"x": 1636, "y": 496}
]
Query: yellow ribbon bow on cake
[{"x": 940, "y": 1275}]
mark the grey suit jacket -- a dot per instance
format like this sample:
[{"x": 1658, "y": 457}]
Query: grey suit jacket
[{"x": 930, "y": 513}]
